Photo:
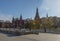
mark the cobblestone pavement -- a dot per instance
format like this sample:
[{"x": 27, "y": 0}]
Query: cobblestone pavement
[{"x": 31, "y": 37}]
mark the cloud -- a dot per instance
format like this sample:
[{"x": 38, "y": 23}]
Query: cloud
[
  {"x": 50, "y": 6},
  {"x": 5, "y": 17}
]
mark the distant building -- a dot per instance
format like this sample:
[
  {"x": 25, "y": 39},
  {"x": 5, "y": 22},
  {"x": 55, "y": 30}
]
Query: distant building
[
  {"x": 1, "y": 21},
  {"x": 37, "y": 20},
  {"x": 37, "y": 17},
  {"x": 18, "y": 23},
  {"x": 6, "y": 24}
]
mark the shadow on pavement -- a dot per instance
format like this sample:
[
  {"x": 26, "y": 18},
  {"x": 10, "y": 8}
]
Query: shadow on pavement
[
  {"x": 12, "y": 34},
  {"x": 51, "y": 32},
  {"x": 9, "y": 33}
]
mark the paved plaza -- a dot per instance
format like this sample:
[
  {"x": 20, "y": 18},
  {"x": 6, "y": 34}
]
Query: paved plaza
[{"x": 31, "y": 37}]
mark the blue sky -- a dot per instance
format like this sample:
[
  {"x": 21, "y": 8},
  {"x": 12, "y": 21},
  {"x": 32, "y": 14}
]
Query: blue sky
[{"x": 10, "y": 8}]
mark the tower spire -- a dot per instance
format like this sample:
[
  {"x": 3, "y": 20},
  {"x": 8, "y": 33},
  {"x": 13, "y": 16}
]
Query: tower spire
[
  {"x": 20, "y": 16},
  {"x": 13, "y": 19},
  {"x": 37, "y": 15},
  {"x": 47, "y": 15}
]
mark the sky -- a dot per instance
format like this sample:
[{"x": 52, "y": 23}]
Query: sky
[{"x": 10, "y": 8}]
